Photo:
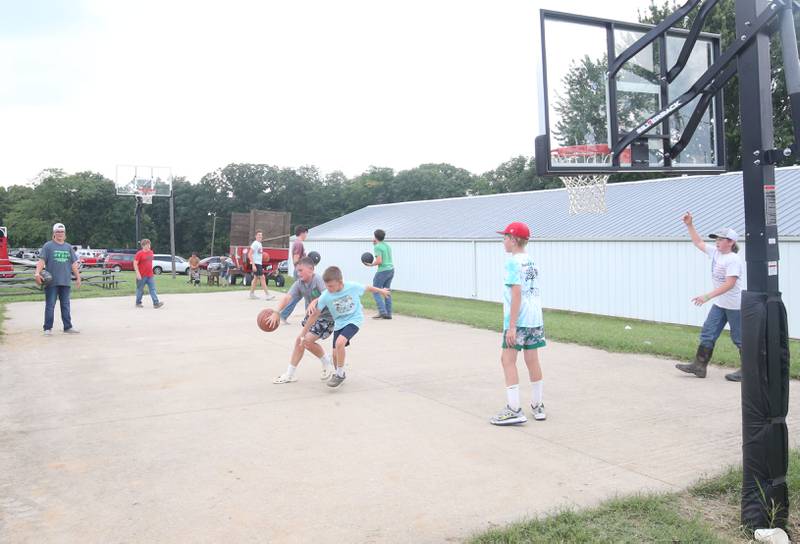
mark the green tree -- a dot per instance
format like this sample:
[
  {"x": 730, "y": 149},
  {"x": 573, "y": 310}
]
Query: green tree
[
  {"x": 582, "y": 115},
  {"x": 517, "y": 174},
  {"x": 430, "y": 181},
  {"x": 722, "y": 21}
]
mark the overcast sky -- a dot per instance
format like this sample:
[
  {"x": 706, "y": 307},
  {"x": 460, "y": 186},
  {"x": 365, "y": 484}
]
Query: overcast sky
[{"x": 340, "y": 84}]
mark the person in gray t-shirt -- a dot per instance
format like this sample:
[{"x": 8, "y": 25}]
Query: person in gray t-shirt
[
  {"x": 308, "y": 286},
  {"x": 60, "y": 260},
  {"x": 297, "y": 252}
]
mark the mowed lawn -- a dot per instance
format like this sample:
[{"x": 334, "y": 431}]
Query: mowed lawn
[{"x": 612, "y": 334}]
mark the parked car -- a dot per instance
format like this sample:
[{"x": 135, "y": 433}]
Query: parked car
[
  {"x": 283, "y": 267},
  {"x": 119, "y": 261},
  {"x": 207, "y": 261},
  {"x": 163, "y": 263}
]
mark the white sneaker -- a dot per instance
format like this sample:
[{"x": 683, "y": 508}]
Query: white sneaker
[
  {"x": 48, "y": 332},
  {"x": 538, "y": 412},
  {"x": 507, "y": 416},
  {"x": 285, "y": 378},
  {"x": 253, "y": 296},
  {"x": 269, "y": 297},
  {"x": 327, "y": 372}
]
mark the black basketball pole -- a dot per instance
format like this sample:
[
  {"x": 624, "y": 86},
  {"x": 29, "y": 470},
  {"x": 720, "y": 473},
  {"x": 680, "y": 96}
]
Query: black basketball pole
[
  {"x": 138, "y": 216},
  {"x": 765, "y": 380}
]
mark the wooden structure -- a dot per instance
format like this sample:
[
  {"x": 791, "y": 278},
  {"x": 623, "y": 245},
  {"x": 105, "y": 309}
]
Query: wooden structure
[{"x": 276, "y": 227}]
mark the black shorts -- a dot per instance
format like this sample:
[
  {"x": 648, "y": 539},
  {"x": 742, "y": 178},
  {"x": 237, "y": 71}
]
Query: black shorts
[
  {"x": 259, "y": 271},
  {"x": 348, "y": 331}
]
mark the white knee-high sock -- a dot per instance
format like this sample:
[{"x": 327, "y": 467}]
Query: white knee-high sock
[
  {"x": 537, "y": 395},
  {"x": 512, "y": 394}
]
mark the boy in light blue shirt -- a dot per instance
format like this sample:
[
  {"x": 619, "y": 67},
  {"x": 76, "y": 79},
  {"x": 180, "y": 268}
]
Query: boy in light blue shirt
[
  {"x": 523, "y": 326},
  {"x": 343, "y": 300}
]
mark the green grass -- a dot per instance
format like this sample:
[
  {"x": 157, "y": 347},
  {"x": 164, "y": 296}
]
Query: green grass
[
  {"x": 636, "y": 519},
  {"x": 707, "y": 512},
  {"x": 165, "y": 285},
  {"x": 608, "y": 333},
  {"x": 725, "y": 489}
]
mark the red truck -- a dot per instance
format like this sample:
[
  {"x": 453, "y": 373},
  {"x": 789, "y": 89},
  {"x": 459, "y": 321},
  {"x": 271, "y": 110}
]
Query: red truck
[
  {"x": 6, "y": 268},
  {"x": 271, "y": 256}
]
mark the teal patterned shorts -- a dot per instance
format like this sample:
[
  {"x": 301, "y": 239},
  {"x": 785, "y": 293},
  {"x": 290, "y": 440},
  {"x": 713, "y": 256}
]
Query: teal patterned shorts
[{"x": 527, "y": 338}]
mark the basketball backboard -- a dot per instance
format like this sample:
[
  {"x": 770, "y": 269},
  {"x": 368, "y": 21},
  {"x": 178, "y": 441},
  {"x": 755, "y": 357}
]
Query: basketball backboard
[
  {"x": 581, "y": 108},
  {"x": 147, "y": 181}
]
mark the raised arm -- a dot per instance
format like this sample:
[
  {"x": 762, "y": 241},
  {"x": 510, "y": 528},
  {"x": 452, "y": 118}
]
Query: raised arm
[{"x": 696, "y": 240}]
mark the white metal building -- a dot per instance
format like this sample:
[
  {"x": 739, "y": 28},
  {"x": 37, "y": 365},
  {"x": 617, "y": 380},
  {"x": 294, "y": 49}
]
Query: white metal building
[{"x": 634, "y": 261}]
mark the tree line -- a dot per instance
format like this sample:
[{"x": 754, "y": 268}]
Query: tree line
[{"x": 86, "y": 202}]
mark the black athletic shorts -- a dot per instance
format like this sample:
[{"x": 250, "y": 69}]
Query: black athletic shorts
[
  {"x": 348, "y": 331},
  {"x": 259, "y": 271}
]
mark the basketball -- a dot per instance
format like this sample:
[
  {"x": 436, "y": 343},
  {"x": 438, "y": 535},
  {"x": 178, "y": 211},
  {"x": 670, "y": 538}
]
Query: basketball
[
  {"x": 314, "y": 256},
  {"x": 263, "y": 315},
  {"x": 367, "y": 258},
  {"x": 47, "y": 278}
]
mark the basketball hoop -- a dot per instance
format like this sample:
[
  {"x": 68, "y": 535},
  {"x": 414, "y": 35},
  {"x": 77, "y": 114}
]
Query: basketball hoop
[
  {"x": 587, "y": 192},
  {"x": 146, "y": 195}
]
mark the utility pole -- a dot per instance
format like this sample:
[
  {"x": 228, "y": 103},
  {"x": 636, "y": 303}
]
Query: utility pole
[{"x": 213, "y": 230}]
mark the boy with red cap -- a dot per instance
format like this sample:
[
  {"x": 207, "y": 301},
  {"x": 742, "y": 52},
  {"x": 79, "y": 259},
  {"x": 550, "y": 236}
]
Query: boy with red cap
[{"x": 523, "y": 326}]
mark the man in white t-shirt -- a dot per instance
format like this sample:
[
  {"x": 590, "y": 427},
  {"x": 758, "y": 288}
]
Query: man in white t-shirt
[
  {"x": 257, "y": 268},
  {"x": 726, "y": 276}
]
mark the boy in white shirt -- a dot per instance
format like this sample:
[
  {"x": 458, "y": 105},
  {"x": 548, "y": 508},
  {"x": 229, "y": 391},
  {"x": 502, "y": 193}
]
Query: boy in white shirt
[
  {"x": 726, "y": 276},
  {"x": 523, "y": 326}
]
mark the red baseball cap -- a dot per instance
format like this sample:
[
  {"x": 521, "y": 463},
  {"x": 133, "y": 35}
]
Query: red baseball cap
[{"x": 520, "y": 230}]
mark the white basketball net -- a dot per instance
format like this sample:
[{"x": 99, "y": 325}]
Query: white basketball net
[
  {"x": 587, "y": 192},
  {"x": 146, "y": 197}
]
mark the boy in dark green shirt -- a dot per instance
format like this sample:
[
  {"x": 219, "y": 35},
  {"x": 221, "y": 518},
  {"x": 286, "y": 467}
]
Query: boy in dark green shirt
[{"x": 383, "y": 277}]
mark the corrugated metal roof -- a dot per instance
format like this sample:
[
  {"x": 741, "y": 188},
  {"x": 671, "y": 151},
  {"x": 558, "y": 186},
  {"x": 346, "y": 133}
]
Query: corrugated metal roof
[{"x": 644, "y": 209}]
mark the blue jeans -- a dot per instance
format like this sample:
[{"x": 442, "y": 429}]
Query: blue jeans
[
  {"x": 150, "y": 282},
  {"x": 715, "y": 323},
  {"x": 60, "y": 292},
  {"x": 286, "y": 312},
  {"x": 383, "y": 280}
]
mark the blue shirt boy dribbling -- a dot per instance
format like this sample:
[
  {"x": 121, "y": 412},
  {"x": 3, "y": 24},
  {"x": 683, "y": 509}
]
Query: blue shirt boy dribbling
[
  {"x": 343, "y": 300},
  {"x": 523, "y": 326}
]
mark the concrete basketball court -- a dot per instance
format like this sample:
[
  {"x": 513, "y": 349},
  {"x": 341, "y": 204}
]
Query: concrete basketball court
[{"x": 164, "y": 426}]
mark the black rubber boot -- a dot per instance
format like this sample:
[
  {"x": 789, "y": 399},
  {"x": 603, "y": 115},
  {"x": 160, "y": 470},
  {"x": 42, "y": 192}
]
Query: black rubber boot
[
  {"x": 735, "y": 376},
  {"x": 701, "y": 359}
]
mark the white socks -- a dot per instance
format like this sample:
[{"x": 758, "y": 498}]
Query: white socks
[
  {"x": 536, "y": 392},
  {"x": 326, "y": 361},
  {"x": 340, "y": 371},
  {"x": 290, "y": 370},
  {"x": 512, "y": 393}
]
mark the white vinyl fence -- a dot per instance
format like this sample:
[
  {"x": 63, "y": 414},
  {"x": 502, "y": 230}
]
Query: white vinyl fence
[{"x": 652, "y": 280}]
